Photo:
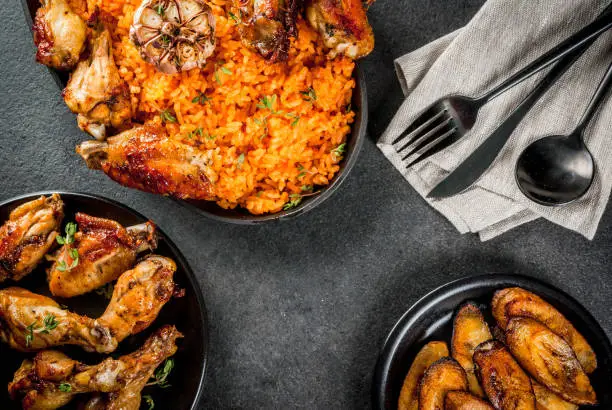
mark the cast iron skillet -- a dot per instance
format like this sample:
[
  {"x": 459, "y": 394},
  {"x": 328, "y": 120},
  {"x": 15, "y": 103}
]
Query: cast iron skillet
[
  {"x": 187, "y": 313},
  {"x": 211, "y": 210},
  {"x": 431, "y": 319}
]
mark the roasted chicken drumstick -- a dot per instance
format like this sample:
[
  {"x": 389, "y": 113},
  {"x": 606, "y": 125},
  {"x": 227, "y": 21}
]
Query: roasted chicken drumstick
[
  {"x": 28, "y": 235},
  {"x": 266, "y": 26},
  {"x": 104, "y": 249},
  {"x": 343, "y": 26},
  {"x": 146, "y": 158},
  {"x": 30, "y": 322},
  {"x": 96, "y": 92},
  {"x": 59, "y": 34},
  {"x": 52, "y": 379}
]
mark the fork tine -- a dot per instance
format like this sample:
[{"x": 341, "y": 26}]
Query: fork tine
[
  {"x": 435, "y": 146},
  {"x": 424, "y": 139},
  {"x": 410, "y": 134}
]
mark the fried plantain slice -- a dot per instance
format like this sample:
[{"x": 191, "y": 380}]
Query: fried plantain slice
[
  {"x": 506, "y": 385},
  {"x": 469, "y": 330},
  {"x": 430, "y": 353},
  {"x": 549, "y": 359},
  {"x": 547, "y": 400},
  {"x": 514, "y": 302},
  {"x": 460, "y": 400},
  {"x": 443, "y": 376}
]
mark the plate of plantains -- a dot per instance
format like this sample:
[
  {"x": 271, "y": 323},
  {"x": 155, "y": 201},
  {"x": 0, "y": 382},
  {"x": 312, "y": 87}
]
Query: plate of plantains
[
  {"x": 98, "y": 308},
  {"x": 495, "y": 342}
]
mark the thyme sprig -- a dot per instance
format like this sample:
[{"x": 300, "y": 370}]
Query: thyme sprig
[
  {"x": 161, "y": 374},
  {"x": 49, "y": 323}
]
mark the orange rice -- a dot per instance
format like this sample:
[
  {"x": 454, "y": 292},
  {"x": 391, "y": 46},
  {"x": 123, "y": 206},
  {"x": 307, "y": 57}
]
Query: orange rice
[{"x": 259, "y": 167}]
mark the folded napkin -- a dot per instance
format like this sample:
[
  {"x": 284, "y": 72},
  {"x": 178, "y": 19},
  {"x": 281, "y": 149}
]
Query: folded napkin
[{"x": 503, "y": 37}]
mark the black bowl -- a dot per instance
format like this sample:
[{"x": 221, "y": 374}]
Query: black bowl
[
  {"x": 431, "y": 318},
  {"x": 210, "y": 209},
  {"x": 187, "y": 313}
]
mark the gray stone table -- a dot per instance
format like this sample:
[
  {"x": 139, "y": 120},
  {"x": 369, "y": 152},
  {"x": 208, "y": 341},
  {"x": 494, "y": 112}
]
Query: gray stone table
[{"x": 299, "y": 310}]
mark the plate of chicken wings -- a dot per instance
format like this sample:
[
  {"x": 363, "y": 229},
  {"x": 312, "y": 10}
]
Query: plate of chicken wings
[
  {"x": 98, "y": 308},
  {"x": 495, "y": 342}
]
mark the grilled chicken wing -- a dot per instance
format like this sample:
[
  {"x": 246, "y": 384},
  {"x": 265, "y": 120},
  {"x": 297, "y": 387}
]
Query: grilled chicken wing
[
  {"x": 343, "y": 26},
  {"x": 549, "y": 360},
  {"x": 146, "y": 158},
  {"x": 267, "y": 25},
  {"x": 97, "y": 93},
  {"x": 517, "y": 302},
  {"x": 430, "y": 353},
  {"x": 28, "y": 234},
  {"x": 31, "y": 322},
  {"x": 59, "y": 34},
  {"x": 469, "y": 330},
  {"x": 139, "y": 295},
  {"x": 120, "y": 380},
  {"x": 105, "y": 250},
  {"x": 441, "y": 377},
  {"x": 506, "y": 385}
]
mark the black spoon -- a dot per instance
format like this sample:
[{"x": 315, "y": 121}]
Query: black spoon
[{"x": 559, "y": 169}]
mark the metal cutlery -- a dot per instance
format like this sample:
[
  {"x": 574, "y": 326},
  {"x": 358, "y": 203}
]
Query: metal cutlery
[{"x": 450, "y": 118}]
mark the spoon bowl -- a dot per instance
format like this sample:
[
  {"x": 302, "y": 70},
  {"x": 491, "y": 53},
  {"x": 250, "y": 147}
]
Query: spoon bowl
[{"x": 555, "y": 170}]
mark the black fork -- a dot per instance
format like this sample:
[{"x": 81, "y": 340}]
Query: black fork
[{"x": 450, "y": 118}]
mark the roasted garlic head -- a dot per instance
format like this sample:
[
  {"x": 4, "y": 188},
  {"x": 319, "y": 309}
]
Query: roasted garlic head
[{"x": 174, "y": 35}]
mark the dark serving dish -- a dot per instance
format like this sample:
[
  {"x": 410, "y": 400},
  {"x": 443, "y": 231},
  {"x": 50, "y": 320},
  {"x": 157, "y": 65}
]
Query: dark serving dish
[
  {"x": 241, "y": 216},
  {"x": 187, "y": 313},
  {"x": 431, "y": 318}
]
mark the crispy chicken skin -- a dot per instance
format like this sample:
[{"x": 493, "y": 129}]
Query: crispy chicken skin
[
  {"x": 441, "y": 377},
  {"x": 506, "y": 385},
  {"x": 469, "y": 330},
  {"x": 430, "y": 353},
  {"x": 23, "y": 316},
  {"x": 28, "y": 235},
  {"x": 266, "y": 26},
  {"x": 343, "y": 26},
  {"x": 139, "y": 295},
  {"x": 119, "y": 380},
  {"x": 96, "y": 91},
  {"x": 547, "y": 400},
  {"x": 460, "y": 400},
  {"x": 146, "y": 158},
  {"x": 549, "y": 360},
  {"x": 27, "y": 319},
  {"x": 517, "y": 302},
  {"x": 60, "y": 34},
  {"x": 106, "y": 250}
]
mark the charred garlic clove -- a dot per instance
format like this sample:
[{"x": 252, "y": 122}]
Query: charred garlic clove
[{"x": 174, "y": 35}]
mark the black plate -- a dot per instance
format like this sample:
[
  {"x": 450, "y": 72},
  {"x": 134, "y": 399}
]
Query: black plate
[
  {"x": 187, "y": 313},
  {"x": 241, "y": 216},
  {"x": 431, "y": 319}
]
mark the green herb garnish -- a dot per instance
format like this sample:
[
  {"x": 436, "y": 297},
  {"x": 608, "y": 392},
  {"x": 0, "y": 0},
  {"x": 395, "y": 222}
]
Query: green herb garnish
[
  {"x": 63, "y": 267},
  {"x": 237, "y": 20},
  {"x": 306, "y": 188},
  {"x": 240, "y": 160},
  {"x": 294, "y": 201},
  {"x": 70, "y": 229},
  {"x": 149, "y": 400},
  {"x": 166, "y": 116},
  {"x": 49, "y": 323},
  {"x": 339, "y": 150},
  {"x": 201, "y": 99},
  {"x": 65, "y": 387},
  {"x": 219, "y": 67},
  {"x": 309, "y": 94},
  {"x": 162, "y": 373},
  {"x": 159, "y": 9}
]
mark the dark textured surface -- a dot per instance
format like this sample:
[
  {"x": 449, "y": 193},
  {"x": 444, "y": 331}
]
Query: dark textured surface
[{"x": 298, "y": 310}]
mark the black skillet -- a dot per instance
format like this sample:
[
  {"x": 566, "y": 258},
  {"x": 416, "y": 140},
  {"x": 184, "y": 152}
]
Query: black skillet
[
  {"x": 431, "y": 319},
  {"x": 188, "y": 313},
  {"x": 359, "y": 104}
]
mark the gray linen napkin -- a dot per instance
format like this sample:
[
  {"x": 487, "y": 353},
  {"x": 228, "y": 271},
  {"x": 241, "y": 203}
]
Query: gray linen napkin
[{"x": 503, "y": 37}]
